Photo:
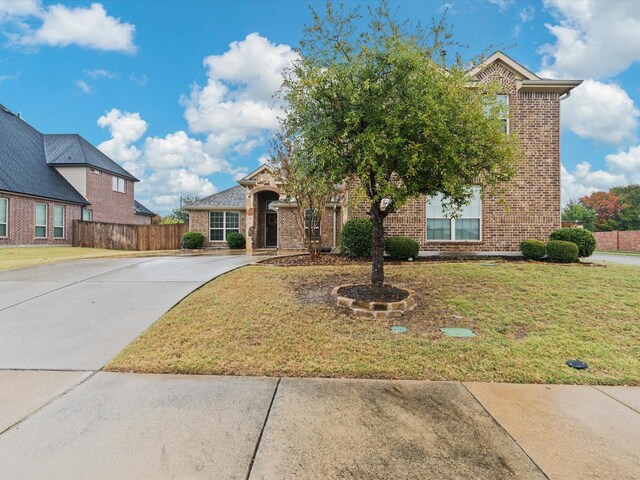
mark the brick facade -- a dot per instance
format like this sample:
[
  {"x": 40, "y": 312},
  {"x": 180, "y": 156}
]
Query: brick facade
[
  {"x": 290, "y": 237},
  {"x": 21, "y": 224},
  {"x": 108, "y": 205},
  {"x": 199, "y": 222}
]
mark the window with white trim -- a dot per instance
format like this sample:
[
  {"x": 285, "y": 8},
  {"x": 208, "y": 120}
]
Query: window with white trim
[
  {"x": 441, "y": 226},
  {"x": 58, "y": 221},
  {"x": 222, "y": 224},
  {"x": 87, "y": 215},
  {"x": 119, "y": 184},
  {"x": 311, "y": 225},
  {"x": 4, "y": 217},
  {"x": 41, "y": 220},
  {"x": 96, "y": 172}
]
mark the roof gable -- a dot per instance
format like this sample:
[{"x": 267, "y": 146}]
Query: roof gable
[
  {"x": 521, "y": 72},
  {"x": 72, "y": 149}
]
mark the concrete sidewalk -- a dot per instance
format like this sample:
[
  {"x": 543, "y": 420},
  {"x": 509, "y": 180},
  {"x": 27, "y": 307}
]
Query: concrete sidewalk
[{"x": 103, "y": 425}]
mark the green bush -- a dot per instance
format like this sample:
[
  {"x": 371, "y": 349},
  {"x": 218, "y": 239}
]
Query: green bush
[
  {"x": 583, "y": 238},
  {"x": 192, "y": 240},
  {"x": 235, "y": 241},
  {"x": 562, "y": 252},
  {"x": 401, "y": 248},
  {"x": 533, "y": 249},
  {"x": 356, "y": 237}
]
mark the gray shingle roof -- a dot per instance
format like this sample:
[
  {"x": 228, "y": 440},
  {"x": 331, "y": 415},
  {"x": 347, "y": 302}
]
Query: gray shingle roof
[
  {"x": 23, "y": 166},
  {"x": 234, "y": 197},
  {"x": 140, "y": 209},
  {"x": 72, "y": 149}
]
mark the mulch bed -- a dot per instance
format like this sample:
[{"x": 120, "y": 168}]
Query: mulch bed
[
  {"x": 367, "y": 294},
  {"x": 334, "y": 259}
]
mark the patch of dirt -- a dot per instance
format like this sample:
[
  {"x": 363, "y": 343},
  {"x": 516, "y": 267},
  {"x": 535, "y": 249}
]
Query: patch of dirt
[{"x": 366, "y": 293}]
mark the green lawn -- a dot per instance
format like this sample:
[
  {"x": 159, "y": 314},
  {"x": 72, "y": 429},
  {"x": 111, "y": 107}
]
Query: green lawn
[
  {"x": 530, "y": 318},
  {"x": 19, "y": 257}
]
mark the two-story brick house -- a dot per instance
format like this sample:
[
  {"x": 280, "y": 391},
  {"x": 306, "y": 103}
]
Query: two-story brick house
[
  {"x": 47, "y": 181},
  {"x": 532, "y": 198}
]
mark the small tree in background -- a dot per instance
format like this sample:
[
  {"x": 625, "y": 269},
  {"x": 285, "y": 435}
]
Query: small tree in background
[
  {"x": 577, "y": 213},
  {"x": 608, "y": 208},
  {"x": 310, "y": 192},
  {"x": 376, "y": 103},
  {"x": 630, "y": 211}
]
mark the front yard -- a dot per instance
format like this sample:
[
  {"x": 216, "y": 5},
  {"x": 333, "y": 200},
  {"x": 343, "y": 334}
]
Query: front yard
[{"x": 530, "y": 318}]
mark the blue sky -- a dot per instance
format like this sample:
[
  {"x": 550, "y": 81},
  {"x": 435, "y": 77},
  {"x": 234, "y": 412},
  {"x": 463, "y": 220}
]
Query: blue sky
[{"x": 179, "y": 92}]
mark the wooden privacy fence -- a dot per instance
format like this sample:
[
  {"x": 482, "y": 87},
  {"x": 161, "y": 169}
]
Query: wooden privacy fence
[{"x": 118, "y": 236}]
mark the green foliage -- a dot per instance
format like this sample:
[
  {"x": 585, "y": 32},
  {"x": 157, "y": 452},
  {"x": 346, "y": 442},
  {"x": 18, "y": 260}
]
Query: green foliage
[
  {"x": 170, "y": 220},
  {"x": 373, "y": 102},
  {"x": 584, "y": 239},
  {"x": 236, "y": 241},
  {"x": 401, "y": 248},
  {"x": 192, "y": 240},
  {"x": 577, "y": 213},
  {"x": 533, "y": 249},
  {"x": 560, "y": 251},
  {"x": 356, "y": 237},
  {"x": 630, "y": 212}
]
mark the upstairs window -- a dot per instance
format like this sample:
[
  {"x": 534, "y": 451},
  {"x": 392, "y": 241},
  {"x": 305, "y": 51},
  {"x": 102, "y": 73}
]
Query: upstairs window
[
  {"x": 441, "y": 226},
  {"x": 4, "y": 217},
  {"x": 58, "y": 222},
  {"x": 119, "y": 184},
  {"x": 41, "y": 220},
  {"x": 87, "y": 215},
  {"x": 222, "y": 224},
  {"x": 502, "y": 103},
  {"x": 311, "y": 225}
]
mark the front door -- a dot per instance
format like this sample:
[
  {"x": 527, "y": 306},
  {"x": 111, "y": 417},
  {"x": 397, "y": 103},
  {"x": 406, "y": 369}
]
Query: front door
[{"x": 271, "y": 235}]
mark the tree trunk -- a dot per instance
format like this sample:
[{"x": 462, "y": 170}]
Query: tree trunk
[{"x": 377, "y": 247}]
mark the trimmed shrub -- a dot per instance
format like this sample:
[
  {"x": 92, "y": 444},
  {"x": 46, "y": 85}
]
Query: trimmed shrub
[
  {"x": 236, "y": 241},
  {"x": 192, "y": 240},
  {"x": 533, "y": 249},
  {"x": 560, "y": 251},
  {"x": 401, "y": 248},
  {"x": 356, "y": 237},
  {"x": 583, "y": 238}
]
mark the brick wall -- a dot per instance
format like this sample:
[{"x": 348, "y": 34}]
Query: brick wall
[
  {"x": 108, "y": 205},
  {"x": 199, "y": 222},
  {"x": 532, "y": 198},
  {"x": 142, "y": 220},
  {"x": 22, "y": 212},
  {"x": 624, "y": 241},
  {"x": 289, "y": 234}
]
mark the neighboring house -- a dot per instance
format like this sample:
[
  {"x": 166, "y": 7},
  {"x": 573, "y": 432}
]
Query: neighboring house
[
  {"x": 47, "y": 181},
  {"x": 532, "y": 198}
]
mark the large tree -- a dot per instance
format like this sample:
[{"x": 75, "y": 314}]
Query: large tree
[
  {"x": 376, "y": 103},
  {"x": 608, "y": 208}
]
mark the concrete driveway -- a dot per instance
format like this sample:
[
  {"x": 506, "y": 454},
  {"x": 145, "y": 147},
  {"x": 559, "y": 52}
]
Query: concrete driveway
[
  {"x": 77, "y": 315},
  {"x": 624, "y": 259}
]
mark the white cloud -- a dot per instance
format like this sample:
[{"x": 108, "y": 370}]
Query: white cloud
[
  {"x": 61, "y": 26},
  {"x": 600, "y": 111},
  {"x": 627, "y": 162},
  {"x": 11, "y": 76},
  {"x": 84, "y": 86},
  {"x": 126, "y": 128},
  {"x": 502, "y": 4},
  {"x": 594, "y": 38},
  {"x": 10, "y": 9},
  {"x": 237, "y": 106},
  {"x": 140, "y": 80},
  {"x": 99, "y": 73},
  {"x": 582, "y": 181},
  {"x": 527, "y": 14},
  {"x": 178, "y": 150}
]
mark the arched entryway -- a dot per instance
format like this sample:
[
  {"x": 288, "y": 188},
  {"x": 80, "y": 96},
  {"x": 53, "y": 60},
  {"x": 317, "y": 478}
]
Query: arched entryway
[{"x": 266, "y": 219}]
